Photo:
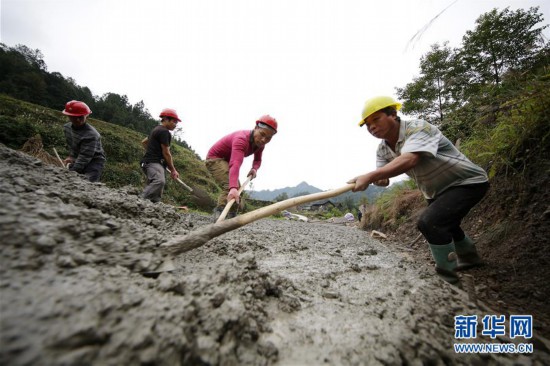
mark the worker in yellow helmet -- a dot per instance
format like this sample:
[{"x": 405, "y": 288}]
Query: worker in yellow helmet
[{"x": 450, "y": 182}]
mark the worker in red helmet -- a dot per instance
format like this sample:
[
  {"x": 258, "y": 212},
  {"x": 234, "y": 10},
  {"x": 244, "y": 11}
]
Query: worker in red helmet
[
  {"x": 86, "y": 155},
  {"x": 158, "y": 156},
  {"x": 225, "y": 157}
]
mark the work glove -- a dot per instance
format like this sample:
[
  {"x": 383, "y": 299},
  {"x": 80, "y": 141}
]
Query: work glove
[
  {"x": 233, "y": 194},
  {"x": 252, "y": 173}
]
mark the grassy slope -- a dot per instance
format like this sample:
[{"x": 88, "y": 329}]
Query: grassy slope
[{"x": 21, "y": 120}]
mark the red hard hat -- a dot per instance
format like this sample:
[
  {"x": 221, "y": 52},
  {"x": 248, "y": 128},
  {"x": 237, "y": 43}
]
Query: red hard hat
[
  {"x": 76, "y": 108},
  {"x": 169, "y": 112},
  {"x": 268, "y": 120}
]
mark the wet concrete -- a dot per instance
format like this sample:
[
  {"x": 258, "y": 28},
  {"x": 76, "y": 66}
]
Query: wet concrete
[{"x": 274, "y": 292}]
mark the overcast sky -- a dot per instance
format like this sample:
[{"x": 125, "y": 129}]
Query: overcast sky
[{"x": 223, "y": 63}]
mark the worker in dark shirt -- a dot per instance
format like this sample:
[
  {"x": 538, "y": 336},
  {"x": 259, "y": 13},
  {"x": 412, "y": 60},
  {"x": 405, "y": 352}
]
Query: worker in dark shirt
[
  {"x": 86, "y": 155},
  {"x": 158, "y": 157}
]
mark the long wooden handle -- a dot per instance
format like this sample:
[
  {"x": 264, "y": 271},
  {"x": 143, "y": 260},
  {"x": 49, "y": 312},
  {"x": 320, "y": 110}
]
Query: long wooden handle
[
  {"x": 291, "y": 202},
  {"x": 179, "y": 180},
  {"x": 199, "y": 237},
  {"x": 59, "y": 158},
  {"x": 232, "y": 201},
  {"x": 185, "y": 185}
]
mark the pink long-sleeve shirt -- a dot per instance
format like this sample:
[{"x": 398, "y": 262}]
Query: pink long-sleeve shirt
[{"x": 233, "y": 148}]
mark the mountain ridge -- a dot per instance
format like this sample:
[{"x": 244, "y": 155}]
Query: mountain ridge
[
  {"x": 304, "y": 188},
  {"x": 270, "y": 195}
]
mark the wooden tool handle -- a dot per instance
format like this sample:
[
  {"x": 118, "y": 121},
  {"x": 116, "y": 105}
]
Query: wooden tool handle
[
  {"x": 291, "y": 202},
  {"x": 179, "y": 180},
  {"x": 59, "y": 158},
  {"x": 199, "y": 237},
  {"x": 185, "y": 185},
  {"x": 231, "y": 202}
]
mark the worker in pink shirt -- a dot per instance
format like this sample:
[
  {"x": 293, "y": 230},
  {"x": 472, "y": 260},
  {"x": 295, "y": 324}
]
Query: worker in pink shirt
[{"x": 225, "y": 157}]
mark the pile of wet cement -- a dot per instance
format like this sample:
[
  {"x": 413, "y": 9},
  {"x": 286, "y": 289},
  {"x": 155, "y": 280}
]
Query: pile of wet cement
[{"x": 272, "y": 292}]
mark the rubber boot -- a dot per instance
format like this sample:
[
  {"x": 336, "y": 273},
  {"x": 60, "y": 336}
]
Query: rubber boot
[
  {"x": 445, "y": 261},
  {"x": 467, "y": 254}
]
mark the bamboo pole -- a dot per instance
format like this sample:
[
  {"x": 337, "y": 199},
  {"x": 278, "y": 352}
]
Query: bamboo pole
[{"x": 199, "y": 237}]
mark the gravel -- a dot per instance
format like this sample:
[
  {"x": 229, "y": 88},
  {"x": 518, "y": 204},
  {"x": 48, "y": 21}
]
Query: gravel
[{"x": 274, "y": 292}]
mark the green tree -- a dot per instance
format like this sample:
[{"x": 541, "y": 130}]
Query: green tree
[
  {"x": 431, "y": 95},
  {"x": 348, "y": 203},
  {"x": 283, "y": 196},
  {"x": 20, "y": 73},
  {"x": 24, "y": 75},
  {"x": 504, "y": 46},
  {"x": 457, "y": 87},
  {"x": 501, "y": 40},
  {"x": 364, "y": 200},
  {"x": 35, "y": 58}
]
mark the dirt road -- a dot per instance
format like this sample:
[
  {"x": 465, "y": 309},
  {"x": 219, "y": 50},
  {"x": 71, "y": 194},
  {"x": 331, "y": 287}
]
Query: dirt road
[{"x": 272, "y": 293}]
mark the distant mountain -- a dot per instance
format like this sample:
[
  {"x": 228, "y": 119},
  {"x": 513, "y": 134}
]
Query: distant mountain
[
  {"x": 270, "y": 195},
  {"x": 303, "y": 188},
  {"x": 372, "y": 193}
]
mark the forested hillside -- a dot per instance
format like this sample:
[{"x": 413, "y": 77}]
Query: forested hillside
[
  {"x": 464, "y": 88},
  {"x": 24, "y": 75}
]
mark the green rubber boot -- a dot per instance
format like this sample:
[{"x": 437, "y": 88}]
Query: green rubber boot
[
  {"x": 467, "y": 254},
  {"x": 445, "y": 261}
]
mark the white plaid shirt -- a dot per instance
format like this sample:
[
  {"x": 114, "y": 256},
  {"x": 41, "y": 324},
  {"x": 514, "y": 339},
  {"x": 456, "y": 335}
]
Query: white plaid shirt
[{"x": 441, "y": 164}]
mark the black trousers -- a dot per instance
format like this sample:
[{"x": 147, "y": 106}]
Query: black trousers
[{"x": 440, "y": 222}]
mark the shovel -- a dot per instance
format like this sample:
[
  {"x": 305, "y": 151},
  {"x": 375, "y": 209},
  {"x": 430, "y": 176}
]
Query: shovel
[
  {"x": 232, "y": 201},
  {"x": 199, "y": 237},
  {"x": 200, "y": 197}
]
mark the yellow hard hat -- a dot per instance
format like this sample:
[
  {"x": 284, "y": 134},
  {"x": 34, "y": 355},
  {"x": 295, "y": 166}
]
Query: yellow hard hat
[{"x": 377, "y": 103}]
